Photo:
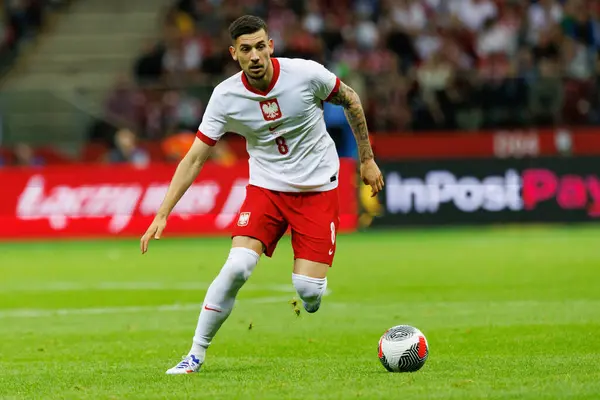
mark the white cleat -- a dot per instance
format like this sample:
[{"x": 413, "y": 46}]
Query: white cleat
[{"x": 188, "y": 365}]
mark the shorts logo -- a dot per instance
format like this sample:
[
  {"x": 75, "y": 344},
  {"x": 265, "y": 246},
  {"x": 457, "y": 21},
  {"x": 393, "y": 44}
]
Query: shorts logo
[{"x": 243, "y": 219}]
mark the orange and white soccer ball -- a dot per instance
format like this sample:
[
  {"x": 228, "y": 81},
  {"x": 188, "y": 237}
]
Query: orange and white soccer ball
[{"x": 403, "y": 348}]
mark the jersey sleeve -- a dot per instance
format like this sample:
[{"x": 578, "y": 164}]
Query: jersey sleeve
[
  {"x": 214, "y": 121},
  {"x": 324, "y": 83}
]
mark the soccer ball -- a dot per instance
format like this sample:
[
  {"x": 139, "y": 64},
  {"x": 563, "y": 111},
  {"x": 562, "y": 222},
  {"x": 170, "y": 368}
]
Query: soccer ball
[{"x": 403, "y": 348}]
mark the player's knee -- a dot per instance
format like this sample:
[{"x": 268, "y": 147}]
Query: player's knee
[
  {"x": 309, "y": 289},
  {"x": 240, "y": 264}
]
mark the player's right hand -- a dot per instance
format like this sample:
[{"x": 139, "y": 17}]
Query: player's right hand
[
  {"x": 154, "y": 231},
  {"x": 371, "y": 175}
]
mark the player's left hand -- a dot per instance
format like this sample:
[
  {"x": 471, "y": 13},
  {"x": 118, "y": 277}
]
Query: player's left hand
[{"x": 371, "y": 175}]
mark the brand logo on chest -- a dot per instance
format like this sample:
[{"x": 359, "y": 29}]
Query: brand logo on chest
[{"x": 270, "y": 109}]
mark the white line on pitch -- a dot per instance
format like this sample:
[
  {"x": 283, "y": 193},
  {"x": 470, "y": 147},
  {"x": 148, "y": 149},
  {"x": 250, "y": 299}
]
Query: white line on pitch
[
  {"x": 77, "y": 286},
  {"x": 37, "y": 313}
]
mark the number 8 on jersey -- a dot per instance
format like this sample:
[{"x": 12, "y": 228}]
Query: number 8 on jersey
[{"x": 282, "y": 145}]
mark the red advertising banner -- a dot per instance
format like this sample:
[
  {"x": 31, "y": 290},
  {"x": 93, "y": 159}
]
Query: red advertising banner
[
  {"x": 98, "y": 200},
  {"x": 487, "y": 144}
]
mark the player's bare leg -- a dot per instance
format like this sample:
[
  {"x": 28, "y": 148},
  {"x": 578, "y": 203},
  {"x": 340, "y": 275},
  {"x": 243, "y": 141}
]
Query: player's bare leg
[
  {"x": 219, "y": 300},
  {"x": 310, "y": 280}
]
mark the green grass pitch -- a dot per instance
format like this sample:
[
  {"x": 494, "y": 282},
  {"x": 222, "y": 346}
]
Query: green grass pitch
[{"x": 508, "y": 313}]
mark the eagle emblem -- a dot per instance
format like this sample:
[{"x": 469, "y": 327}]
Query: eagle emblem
[
  {"x": 270, "y": 109},
  {"x": 243, "y": 219}
]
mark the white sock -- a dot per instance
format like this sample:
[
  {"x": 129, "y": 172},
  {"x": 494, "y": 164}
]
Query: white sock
[
  {"x": 309, "y": 289},
  {"x": 220, "y": 297}
]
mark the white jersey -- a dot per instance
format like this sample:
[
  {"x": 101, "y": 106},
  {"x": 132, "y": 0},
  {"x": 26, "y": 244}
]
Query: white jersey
[{"x": 289, "y": 146}]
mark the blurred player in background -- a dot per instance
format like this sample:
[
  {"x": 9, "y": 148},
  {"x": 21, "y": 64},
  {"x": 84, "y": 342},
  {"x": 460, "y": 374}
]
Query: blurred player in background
[{"x": 277, "y": 105}]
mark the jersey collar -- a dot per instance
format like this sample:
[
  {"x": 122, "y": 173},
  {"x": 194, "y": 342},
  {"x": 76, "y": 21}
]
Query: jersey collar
[{"x": 276, "y": 69}]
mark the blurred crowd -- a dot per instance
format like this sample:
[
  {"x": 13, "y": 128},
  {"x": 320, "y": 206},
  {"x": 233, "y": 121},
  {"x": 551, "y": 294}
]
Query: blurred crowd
[
  {"x": 417, "y": 64},
  {"x": 20, "y": 21}
]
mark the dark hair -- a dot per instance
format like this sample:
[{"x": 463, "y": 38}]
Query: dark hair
[{"x": 245, "y": 25}]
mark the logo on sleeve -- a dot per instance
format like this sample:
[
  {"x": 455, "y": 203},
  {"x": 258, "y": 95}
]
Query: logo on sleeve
[{"x": 270, "y": 109}]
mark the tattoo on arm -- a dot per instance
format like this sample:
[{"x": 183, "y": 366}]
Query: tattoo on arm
[{"x": 347, "y": 98}]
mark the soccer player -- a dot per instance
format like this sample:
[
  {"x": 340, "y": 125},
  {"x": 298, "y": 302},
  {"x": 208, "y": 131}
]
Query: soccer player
[{"x": 277, "y": 105}]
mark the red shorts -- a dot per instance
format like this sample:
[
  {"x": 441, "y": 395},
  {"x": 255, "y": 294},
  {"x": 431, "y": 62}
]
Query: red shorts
[{"x": 313, "y": 218}]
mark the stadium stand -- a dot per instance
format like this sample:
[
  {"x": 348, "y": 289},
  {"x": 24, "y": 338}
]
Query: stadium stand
[{"x": 419, "y": 65}]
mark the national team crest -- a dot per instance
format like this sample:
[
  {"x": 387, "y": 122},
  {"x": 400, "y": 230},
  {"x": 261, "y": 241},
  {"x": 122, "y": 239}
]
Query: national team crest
[
  {"x": 270, "y": 109},
  {"x": 243, "y": 219}
]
